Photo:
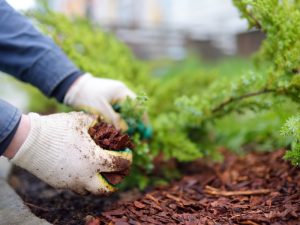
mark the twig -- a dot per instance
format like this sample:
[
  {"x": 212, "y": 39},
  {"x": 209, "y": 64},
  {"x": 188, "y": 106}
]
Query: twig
[
  {"x": 157, "y": 205},
  {"x": 173, "y": 198},
  {"x": 178, "y": 200},
  {"x": 37, "y": 207},
  {"x": 213, "y": 191},
  {"x": 230, "y": 100},
  {"x": 150, "y": 197}
]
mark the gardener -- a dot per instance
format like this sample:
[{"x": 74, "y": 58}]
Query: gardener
[{"x": 56, "y": 148}]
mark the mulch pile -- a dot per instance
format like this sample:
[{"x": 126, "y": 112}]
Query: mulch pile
[{"x": 255, "y": 189}]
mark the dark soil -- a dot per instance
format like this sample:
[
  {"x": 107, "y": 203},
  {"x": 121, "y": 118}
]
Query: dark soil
[
  {"x": 107, "y": 137},
  {"x": 57, "y": 206},
  {"x": 255, "y": 189}
]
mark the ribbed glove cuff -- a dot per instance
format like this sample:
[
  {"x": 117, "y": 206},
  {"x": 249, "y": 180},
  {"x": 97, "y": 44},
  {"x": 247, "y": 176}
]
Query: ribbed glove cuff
[
  {"x": 72, "y": 94},
  {"x": 34, "y": 155}
]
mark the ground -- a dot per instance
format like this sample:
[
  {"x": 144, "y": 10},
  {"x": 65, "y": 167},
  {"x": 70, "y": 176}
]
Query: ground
[{"x": 259, "y": 188}]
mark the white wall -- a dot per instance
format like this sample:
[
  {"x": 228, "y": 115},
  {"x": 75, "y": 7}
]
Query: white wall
[{"x": 210, "y": 16}]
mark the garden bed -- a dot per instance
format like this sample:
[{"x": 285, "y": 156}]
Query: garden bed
[{"x": 255, "y": 189}]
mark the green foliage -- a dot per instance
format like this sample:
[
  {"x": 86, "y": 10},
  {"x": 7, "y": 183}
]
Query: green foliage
[
  {"x": 292, "y": 129},
  {"x": 255, "y": 131},
  {"x": 280, "y": 21},
  {"x": 133, "y": 112},
  {"x": 195, "y": 113}
]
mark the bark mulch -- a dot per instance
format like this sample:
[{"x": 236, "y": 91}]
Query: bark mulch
[
  {"x": 255, "y": 189},
  {"x": 107, "y": 137}
]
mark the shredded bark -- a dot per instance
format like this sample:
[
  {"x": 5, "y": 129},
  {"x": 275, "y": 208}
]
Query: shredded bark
[
  {"x": 107, "y": 137},
  {"x": 254, "y": 189}
]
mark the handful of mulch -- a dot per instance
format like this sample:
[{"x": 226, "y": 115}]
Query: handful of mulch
[{"x": 109, "y": 138}]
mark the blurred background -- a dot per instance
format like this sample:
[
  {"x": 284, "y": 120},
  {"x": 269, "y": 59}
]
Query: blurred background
[
  {"x": 166, "y": 28},
  {"x": 163, "y": 31}
]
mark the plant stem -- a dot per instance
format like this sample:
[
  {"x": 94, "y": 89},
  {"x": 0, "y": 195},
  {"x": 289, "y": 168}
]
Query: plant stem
[{"x": 248, "y": 95}]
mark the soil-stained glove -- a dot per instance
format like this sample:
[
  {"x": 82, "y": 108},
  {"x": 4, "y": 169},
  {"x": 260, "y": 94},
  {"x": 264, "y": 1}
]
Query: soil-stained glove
[
  {"x": 60, "y": 151},
  {"x": 96, "y": 95}
]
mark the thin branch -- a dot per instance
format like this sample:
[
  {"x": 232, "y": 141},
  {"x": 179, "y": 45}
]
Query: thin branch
[
  {"x": 257, "y": 23},
  {"x": 150, "y": 197},
  {"x": 153, "y": 199},
  {"x": 174, "y": 198},
  {"x": 232, "y": 99},
  {"x": 214, "y": 191}
]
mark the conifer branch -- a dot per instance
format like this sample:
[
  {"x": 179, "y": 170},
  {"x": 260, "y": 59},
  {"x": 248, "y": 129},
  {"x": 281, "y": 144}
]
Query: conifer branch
[
  {"x": 239, "y": 98},
  {"x": 257, "y": 23}
]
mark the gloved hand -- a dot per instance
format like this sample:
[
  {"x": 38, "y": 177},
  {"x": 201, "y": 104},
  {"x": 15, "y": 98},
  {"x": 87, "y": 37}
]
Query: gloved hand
[
  {"x": 96, "y": 95},
  {"x": 60, "y": 151}
]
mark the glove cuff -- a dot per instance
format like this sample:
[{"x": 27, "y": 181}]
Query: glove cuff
[
  {"x": 72, "y": 93},
  {"x": 35, "y": 155}
]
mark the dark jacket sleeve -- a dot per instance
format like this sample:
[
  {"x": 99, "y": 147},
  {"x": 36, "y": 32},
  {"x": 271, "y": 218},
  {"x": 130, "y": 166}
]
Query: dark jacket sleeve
[
  {"x": 32, "y": 57},
  {"x": 9, "y": 119}
]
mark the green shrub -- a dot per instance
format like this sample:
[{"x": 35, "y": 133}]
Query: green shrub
[
  {"x": 280, "y": 21},
  {"x": 268, "y": 94}
]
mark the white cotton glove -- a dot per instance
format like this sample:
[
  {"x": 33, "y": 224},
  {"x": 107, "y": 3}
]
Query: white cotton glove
[
  {"x": 60, "y": 151},
  {"x": 96, "y": 95}
]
